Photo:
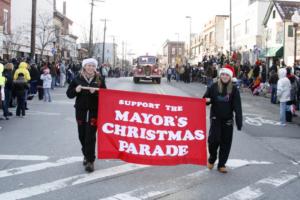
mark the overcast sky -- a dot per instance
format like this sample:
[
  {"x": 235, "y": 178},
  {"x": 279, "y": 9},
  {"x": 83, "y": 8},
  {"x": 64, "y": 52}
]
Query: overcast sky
[{"x": 143, "y": 24}]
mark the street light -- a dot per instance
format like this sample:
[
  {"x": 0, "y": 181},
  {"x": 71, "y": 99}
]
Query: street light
[
  {"x": 296, "y": 20},
  {"x": 190, "y": 18}
]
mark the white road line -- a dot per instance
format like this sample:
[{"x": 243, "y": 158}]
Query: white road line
[
  {"x": 70, "y": 181},
  {"x": 23, "y": 157},
  {"x": 246, "y": 193},
  {"x": 38, "y": 167},
  {"x": 175, "y": 185},
  {"x": 278, "y": 181},
  {"x": 261, "y": 187}
]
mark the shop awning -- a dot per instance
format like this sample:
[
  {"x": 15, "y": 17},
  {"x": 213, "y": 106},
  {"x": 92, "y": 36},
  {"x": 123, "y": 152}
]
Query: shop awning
[{"x": 274, "y": 52}]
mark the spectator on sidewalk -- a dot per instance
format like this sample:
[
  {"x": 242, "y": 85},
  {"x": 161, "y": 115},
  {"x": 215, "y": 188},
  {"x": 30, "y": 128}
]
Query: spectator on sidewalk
[
  {"x": 53, "y": 73},
  {"x": 47, "y": 80},
  {"x": 273, "y": 84},
  {"x": 225, "y": 99},
  {"x": 20, "y": 86},
  {"x": 294, "y": 93},
  {"x": 8, "y": 74},
  {"x": 2, "y": 86},
  {"x": 35, "y": 76},
  {"x": 23, "y": 69},
  {"x": 283, "y": 93},
  {"x": 62, "y": 74},
  {"x": 169, "y": 73}
]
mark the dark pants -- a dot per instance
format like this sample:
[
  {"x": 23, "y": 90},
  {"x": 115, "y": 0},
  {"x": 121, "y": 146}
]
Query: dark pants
[
  {"x": 41, "y": 92},
  {"x": 5, "y": 105},
  {"x": 87, "y": 128},
  {"x": 220, "y": 137},
  {"x": 20, "y": 105},
  {"x": 33, "y": 87},
  {"x": 169, "y": 77},
  {"x": 273, "y": 94}
]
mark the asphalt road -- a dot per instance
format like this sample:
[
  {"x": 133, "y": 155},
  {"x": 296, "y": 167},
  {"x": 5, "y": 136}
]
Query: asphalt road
[{"x": 40, "y": 157}]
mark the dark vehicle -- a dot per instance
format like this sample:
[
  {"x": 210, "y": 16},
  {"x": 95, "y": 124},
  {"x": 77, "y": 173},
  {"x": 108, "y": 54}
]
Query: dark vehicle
[{"x": 147, "y": 69}]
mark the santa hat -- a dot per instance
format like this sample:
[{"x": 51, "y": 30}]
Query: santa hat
[
  {"x": 90, "y": 61},
  {"x": 226, "y": 70}
]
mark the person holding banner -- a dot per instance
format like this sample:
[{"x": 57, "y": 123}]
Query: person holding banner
[
  {"x": 85, "y": 88},
  {"x": 225, "y": 99}
]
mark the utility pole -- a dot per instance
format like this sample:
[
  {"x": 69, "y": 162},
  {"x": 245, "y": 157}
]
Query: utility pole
[
  {"x": 122, "y": 54},
  {"x": 33, "y": 30},
  {"x": 103, "y": 49},
  {"x": 91, "y": 28},
  {"x": 114, "y": 52},
  {"x": 190, "y": 49},
  {"x": 230, "y": 27}
]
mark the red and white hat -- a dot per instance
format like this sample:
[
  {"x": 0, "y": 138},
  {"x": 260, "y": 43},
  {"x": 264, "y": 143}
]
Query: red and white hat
[{"x": 226, "y": 70}]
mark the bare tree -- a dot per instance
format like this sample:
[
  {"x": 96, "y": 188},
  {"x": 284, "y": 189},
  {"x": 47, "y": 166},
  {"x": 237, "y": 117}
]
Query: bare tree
[
  {"x": 45, "y": 32},
  {"x": 11, "y": 42}
]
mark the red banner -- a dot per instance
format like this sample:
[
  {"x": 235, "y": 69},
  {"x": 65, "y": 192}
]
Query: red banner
[{"x": 151, "y": 129}]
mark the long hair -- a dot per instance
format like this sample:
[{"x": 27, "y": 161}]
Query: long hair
[
  {"x": 97, "y": 76},
  {"x": 222, "y": 86}
]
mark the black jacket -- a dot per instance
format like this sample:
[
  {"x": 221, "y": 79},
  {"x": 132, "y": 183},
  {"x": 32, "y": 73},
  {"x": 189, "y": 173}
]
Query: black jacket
[
  {"x": 34, "y": 74},
  {"x": 223, "y": 105},
  {"x": 8, "y": 74},
  {"x": 84, "y": 99},
  {"x": 19, "y": 87}
]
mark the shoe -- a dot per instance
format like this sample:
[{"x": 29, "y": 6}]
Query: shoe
[
  {"x": 6, "y": 118},
  {"x": 84, "y": 162},
  {"x": 210, "y": 166},
  {"x": 283, "y": 125},
  {"x": 26, "y": 108},
  {"x": 89, "y": 167},
  {"x": 222, "y": 170},
  {"x": 10, "y": 114}
]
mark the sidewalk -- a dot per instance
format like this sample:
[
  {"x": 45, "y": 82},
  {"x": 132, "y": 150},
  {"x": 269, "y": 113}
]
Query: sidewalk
[
  {"x": 251, "y": 104},
  {"x": 265, "y": 100}
]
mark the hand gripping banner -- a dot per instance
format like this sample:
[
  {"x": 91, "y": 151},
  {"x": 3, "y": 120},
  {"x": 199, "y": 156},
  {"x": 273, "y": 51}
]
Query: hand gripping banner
[{"x": 151, "y": 129}]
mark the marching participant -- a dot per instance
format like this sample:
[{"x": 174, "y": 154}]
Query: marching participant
[
  {"x": 84, "y": 87},
  {"x": 225, "y": 99}
]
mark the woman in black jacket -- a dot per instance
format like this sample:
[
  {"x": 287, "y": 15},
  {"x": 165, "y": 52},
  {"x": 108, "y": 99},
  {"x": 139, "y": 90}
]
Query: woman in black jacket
[
  {"x": 225, "y": 99},
  {"x": 83, "y": 87}
]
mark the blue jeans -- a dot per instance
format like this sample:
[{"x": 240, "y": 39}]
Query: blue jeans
[
  {"x": 177, "y": 76},
  {"x": 53, "y": 82},
  {"x": 5, "y": 105},
  {"x": 273, "y": 94},
  {"x": 282, "y": 112},
  {"x": 47, "y": 96}
]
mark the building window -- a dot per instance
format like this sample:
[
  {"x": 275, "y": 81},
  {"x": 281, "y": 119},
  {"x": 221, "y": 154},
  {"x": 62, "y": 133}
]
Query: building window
[
  {"x": 247, "y": 26},
  {"x": 291, "y": 31},
  {"x": 210, "y": 37},
  {"x": 173, "y": 51},
  {"x": 274, "y": 14},
  {"x": 5, "y": 21},
  {"x": 227, "y": 34},
  {"x": 180, "y": 51},
  {"x": 236, "y": 31},
  {"x": 173, "y": 61}
]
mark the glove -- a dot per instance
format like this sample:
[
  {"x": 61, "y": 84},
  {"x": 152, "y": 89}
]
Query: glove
[
  {"x": 92, "y": 90},
  {"x": 78, "y": 89}
]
